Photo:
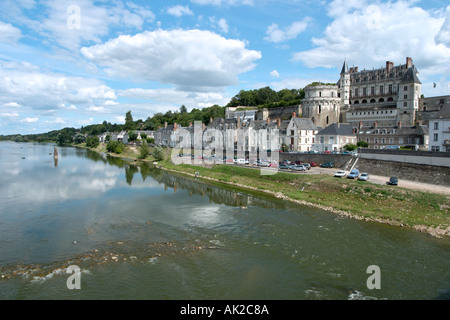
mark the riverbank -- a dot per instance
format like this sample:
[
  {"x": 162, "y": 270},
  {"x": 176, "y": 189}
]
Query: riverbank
[{"x": 424, "y": 211}]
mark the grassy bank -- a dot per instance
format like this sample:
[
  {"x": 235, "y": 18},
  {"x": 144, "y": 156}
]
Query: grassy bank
[{"x": 424, "y": 211}]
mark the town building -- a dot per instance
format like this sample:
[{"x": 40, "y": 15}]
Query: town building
[
  {"x": 439, "y": 129},
  {"x": 301, "y": 134},
  {"x": 394, "y": 137},
  {"x": 334, "y": 137}
]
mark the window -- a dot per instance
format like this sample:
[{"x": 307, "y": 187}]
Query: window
[
  {"x": 320, "y": 93},
  {"x": 322, "y": 139},
  {"x": 435, "y": 148},
  {"x": 364, "y": 91},
  {"x": 436, "y": 126},
  {"x": 405, "y": 104},
  {"x": 391, "y": 140},
  {"x": 381, "y": 89},
  {"x": 372, "y": 90},
  {"x": 405, "y": 96},
  {"x": 292, "y": 132},
  {"x": 405, "y": 88},
  {"x": 376, "y": 140},
  {"x": 327, "y": 119},
  {"x": 435, "y": 137},
  {"x": 320, "y": 108},
  {"x": 356, "y": 92},
  {"x": 390, "y": 88}
]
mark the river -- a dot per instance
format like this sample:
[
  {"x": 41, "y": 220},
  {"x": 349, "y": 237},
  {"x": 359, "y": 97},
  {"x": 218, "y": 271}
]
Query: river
[{"x": 136, "y": 232}]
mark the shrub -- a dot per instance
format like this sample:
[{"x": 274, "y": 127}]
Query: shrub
[
  {"x": 115, "y": 146},
  {"x": 144, "y": 150},
  {"x": 158, "y": 153},
  {"x": 92, "y": 142}
]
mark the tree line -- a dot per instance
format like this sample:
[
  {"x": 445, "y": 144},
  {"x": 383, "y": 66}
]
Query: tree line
[{"x": 264, "y": 97}]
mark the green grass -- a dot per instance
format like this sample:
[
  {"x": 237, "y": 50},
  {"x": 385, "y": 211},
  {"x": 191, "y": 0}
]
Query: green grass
[{"x": 364, "y": 199}]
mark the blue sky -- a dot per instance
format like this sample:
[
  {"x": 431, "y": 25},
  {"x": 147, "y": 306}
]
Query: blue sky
[{"x": 75, "y": 63}]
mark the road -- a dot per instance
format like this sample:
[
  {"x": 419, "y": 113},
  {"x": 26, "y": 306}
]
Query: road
[{"x": 414, "y": 185}]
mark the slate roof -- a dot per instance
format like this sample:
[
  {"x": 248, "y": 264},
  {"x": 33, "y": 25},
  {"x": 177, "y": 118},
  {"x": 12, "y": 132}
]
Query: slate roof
[
  {"x": 410, "y": 76},
  {"x": 341, "y": 129},
  {"x": 304, "y": 124}
]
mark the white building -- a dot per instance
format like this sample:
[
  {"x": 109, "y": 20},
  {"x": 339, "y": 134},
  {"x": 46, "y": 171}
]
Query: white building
[
  {"x": 334, "y": 137},
  {"x": 439, "y": 132},
  {"x": 301, "y": 134}
]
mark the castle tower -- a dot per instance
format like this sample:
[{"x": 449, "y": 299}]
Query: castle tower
[
  {"x": 344, "y": 91},
  {"x": 322, "y": 104},
  {"x": 408, "y": 95}
]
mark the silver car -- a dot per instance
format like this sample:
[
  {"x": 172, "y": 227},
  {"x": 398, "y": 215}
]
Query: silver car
[
  {"x": 299, "y": 167},
  {"x": 364, "y": 176}
]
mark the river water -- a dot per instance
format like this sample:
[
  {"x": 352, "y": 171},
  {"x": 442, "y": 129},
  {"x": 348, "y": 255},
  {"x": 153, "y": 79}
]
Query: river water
[{"x": 142, "y": 233}]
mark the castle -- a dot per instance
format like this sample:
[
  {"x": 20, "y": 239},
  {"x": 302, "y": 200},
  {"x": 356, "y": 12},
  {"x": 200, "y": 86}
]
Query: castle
[{"x": 386, "y": 96}]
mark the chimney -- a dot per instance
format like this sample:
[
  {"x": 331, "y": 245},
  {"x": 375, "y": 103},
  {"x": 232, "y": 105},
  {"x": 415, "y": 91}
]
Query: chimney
[
  {"x": 190, "y": 124},
  {"x": 175, "y": 126},
  {"x": 279, "y": 122},
  {"x": 408, "y": 62},
  {"x": 389, "y": 66},
  {"x": 360, "y": 125},
  {"x": 210, "y": 119},
  {"x": 399, "y": 124},
  {"x": 268, "y": 120},
  {"x": 165, "y": 125},
  {"x": 375, "y": 125},
  {"x": 293, "y": 114}
]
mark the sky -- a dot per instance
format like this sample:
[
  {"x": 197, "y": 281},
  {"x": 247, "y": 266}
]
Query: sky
[{"x": 76, "y": 63}]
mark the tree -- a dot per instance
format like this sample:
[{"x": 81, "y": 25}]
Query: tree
[
  {"x": 158, "y": 153},
  {"x": 132, "y": 136},
  {"x": 144, "y": 149},
  {"x": 362, "y": 144},
  {"x": 350, "y": 147},
  {"x": 79, "y": 138},
  {"x": 129, "y": 124},
  {"x": 92, "y": 142}
]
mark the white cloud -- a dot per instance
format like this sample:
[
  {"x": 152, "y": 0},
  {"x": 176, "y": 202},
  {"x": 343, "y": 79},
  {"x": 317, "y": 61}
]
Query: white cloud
[
  {"x": 191, "y": 60},
  {"x": 97, "y": 109},
  {"x": 173, "y": 97},
  {"x": 179, "y": 11},
  {"x": 277, "y": 35},
  {"x": 369, "y": 35},
  {"x": 22, "y": 84},
  {"x": 443, "y": 36},
  {"x": 223, "y": 25},
  {"x": 224, "y": 2},
  {"x": 12, "y": 104},
  {"x": 30, "y": 120},
  {"x": 89, "y": 22},
  {"x": 9, "y": 33},
  {"x": 275, "y": 74},
  {"x": 9, "y": 114}
]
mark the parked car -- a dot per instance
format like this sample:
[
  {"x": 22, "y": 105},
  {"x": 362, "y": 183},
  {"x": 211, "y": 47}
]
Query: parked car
[
  {"x": 299, "y": 167},
  {"x": 283, "y": 166},
  {"x": 307, "y": 166},
  {"x": 313, "y": 164},
  {"x": 393, "y": 181},
  {"x": 240, "y": 161},
  {"x": 327, "y": 165},
  {"x": 265, "y": 164},
  {"x": 340, "y": 174},
  {"x": 354, "y": 174},
  {"x": 364, "y": 176}
]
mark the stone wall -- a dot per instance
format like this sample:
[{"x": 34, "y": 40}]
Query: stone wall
[
  {"x": 339, "y": 159},
  {"x": 408, "y": 171}
]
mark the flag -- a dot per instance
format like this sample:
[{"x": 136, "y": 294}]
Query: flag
[{"x": 434, "y": 84}]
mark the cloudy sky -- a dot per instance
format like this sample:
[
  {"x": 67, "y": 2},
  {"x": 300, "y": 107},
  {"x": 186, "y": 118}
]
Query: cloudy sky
[{"x": 75, "y": 63}]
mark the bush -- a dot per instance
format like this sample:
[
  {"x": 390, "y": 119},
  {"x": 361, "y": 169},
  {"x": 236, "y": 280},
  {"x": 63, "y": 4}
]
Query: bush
[
  {"x": 350, "y": 147},
  {"x": 144, "y": 150},
  {"x": 362, "y": 144},
  {"x": 158, "y": 153},
  {"x": 115, "y": 146},
  {"x": 92, "y": 142}
]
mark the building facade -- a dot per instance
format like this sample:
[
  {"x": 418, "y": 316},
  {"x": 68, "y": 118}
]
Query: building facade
[
  {"x": 386, "y": 95},
  {"x": 334, "y": 137},
  {"x": 301, "y": 134}
]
